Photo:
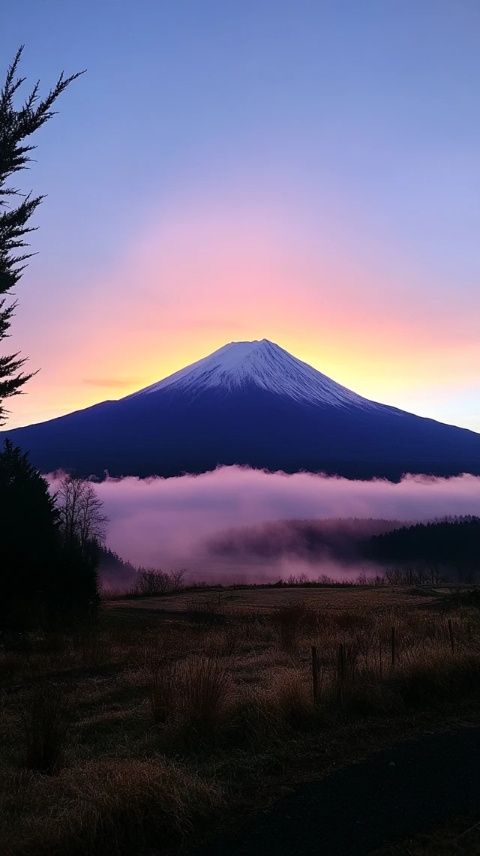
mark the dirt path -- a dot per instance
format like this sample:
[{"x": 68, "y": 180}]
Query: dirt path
[{"x": 395, "y": 793}]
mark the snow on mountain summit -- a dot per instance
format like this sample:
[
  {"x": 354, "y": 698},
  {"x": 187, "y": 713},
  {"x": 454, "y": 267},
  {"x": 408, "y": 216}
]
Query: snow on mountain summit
[
  {"x": 251, "y": 404},
  {"x": 263, "y": 364}
]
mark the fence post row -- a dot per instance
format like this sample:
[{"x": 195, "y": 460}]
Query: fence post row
[
  {"x": 451, "y": 636},
  {"x": 342, "y": 662},
  {"x": 393, "y": 644},
  {"x": 315, "y": 674}
]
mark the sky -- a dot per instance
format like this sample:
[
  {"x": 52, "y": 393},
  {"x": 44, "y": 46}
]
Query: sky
[{"x": 306, "y": 172}]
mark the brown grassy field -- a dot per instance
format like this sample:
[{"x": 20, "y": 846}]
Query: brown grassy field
[
  {"x": 254, "y": 601},
  {"x": 175, "y": 716}
]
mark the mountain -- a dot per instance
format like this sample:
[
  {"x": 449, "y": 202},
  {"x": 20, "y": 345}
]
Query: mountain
[{"x": 248, "y": 403}]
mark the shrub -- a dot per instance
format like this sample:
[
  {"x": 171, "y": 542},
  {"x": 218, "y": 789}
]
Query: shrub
[{"x": 152, "y": 583}]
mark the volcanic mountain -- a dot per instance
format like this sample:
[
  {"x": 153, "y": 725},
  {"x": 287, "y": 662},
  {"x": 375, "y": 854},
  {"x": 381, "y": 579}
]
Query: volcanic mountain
[{"x": 248, "y": 403}]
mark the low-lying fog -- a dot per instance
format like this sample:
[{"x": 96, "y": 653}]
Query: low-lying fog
[{"x": 190, "y": 521}]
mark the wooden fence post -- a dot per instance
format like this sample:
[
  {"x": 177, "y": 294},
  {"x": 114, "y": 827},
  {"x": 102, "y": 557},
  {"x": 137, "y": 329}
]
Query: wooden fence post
[
  {"x": 315, "y": 674},
  {"x": 341, "y": 672},
  {"x": 451, "y": 636},
  {"x": 393, "y": 643},
  {"x": 341, "y": 662}
]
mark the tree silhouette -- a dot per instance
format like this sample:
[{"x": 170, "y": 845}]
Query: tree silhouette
[
  {"x": 48, "y": 576},
  {"x": 451, "y": 545},
  {"x": 28, "y": 542},
  {"x": 82, "y": 529},
  {"x": 81, "y": 512},
  {"x": 47, "y": 579},
  {"x": 16, "y": 126}
]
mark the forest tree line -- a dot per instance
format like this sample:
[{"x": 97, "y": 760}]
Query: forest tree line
[{"x": 449, "y": 547}]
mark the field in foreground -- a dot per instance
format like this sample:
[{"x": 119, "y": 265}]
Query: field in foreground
[{"x": 176, "y": 716}]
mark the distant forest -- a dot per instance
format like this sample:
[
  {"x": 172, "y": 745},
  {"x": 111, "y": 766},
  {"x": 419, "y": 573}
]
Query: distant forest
[
  {"x": 448, "y": 549},
  {"x": 441, "y": 550},
  {"x": 113, "y": 571},
  {"x": 451, "y": 545}
]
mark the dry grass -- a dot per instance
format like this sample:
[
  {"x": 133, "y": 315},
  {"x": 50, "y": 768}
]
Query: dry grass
[
  {"x": 245, "y": 601},
  {"x": 292, "y": 621},
  {"x": 290, "y": 699},
  {"x": 177, "y": 718},
  {"x": 203, "y": 695},
  {"x": 164, "y": 691},
  {"x": 191, "y": 695},
  {"x": 44, "y": 726},
  {"x": 112, "y": 807}
]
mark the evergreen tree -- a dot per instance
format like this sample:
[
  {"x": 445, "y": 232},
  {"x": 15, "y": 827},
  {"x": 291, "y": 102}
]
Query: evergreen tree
[
  {"x": 48, "y": 577},
  {"x": 28, "y": 542},
  {"x": 17, "y": 124}
]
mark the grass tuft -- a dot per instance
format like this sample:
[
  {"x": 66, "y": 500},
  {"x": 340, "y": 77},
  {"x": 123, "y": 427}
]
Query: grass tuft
[{"x": 204, "y": 687}]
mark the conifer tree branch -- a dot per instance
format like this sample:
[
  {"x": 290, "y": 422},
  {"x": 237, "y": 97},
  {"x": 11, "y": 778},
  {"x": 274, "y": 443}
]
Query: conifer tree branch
[{"x": 17, "y": 124}]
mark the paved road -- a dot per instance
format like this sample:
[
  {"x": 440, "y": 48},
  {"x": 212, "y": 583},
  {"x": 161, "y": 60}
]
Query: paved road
[{"x": 393, "y": 794}]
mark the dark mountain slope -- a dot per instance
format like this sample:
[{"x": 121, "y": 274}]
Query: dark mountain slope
[{"x": 251, "y": 404}]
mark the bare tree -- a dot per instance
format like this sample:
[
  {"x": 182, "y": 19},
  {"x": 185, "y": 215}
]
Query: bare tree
[
  {"x": 81, "y": 511},
  {"x": 150, "y": 582}
]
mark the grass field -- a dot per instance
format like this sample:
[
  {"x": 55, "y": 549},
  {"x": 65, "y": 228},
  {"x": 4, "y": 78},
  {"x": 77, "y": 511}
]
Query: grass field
[
  {"x": 254, "y": 601},
  {"x": 175, "y": 716}
]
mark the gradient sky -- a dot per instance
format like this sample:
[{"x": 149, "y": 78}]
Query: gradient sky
[{"x": 308, "y": 172}]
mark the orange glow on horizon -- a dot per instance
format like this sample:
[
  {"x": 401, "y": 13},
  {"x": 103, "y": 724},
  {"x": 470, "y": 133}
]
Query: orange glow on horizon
[{"x": 191, "y": 284}]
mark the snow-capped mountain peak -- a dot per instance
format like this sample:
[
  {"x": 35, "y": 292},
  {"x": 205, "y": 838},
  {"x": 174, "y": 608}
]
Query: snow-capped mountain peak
[
  {"x": 263, "y": 364},
  {"x": 251, "y": 404}
]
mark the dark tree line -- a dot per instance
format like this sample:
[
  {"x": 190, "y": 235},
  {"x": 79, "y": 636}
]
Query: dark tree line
[
  {"x": 452, "y": 544},
  {"x": 48, "y": 549},
  {"x": 48, "y": 573}
]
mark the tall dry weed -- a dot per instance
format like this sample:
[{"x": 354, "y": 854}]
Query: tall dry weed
[{"x": 204, "y": 688}]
